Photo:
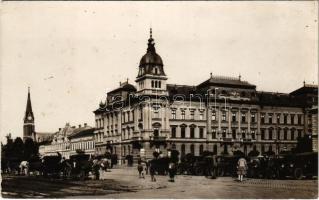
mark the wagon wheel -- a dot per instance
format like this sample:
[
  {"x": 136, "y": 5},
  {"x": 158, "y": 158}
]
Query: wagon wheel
[
  {"x": 199, "y": 171},
  {"x": 82, "y": 175},
  {"x": 220, "y": 172}
]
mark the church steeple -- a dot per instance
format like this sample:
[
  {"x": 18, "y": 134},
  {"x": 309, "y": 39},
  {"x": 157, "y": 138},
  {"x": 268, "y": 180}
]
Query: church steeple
[
  {"x": 28, "y": 125},
  {"x": 29, "y": 105}
]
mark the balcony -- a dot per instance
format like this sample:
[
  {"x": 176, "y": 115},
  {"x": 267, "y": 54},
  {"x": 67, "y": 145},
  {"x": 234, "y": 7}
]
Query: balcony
[
  {"x": 158, "y": 138},
  {"x": 227, "y": 140}
]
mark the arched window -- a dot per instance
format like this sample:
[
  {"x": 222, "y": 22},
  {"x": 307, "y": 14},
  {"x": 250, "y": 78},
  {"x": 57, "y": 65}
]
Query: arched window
[
  {"x": 192, "y": 149},
  {"x": 159, "y": 84},
  {"x": 156, "y": 71},
  {"x": 152, "y": 84},
  {"x": 201, "y": 149},
  {"x": 215, "y": 149},
  {"x": 183, "y": 150}
]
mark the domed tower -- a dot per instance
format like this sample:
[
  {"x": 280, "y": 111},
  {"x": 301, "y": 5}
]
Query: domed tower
[{"x": 151, "y": 78}]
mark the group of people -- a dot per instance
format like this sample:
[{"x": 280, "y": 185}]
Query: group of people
[{"x": 149, "y": 168}]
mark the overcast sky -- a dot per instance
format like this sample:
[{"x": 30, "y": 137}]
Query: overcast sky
[{"x": 72, "y": 53}]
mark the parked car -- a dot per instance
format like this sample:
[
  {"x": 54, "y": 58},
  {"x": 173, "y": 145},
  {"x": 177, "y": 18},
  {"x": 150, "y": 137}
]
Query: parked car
[
  {"x": 298, "y": 165},
  {"x": 227, "y": 165},
  {"x": 81, "y": 166}
]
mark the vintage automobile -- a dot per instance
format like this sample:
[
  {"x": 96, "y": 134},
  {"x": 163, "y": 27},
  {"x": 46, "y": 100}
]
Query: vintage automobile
[
  {"x": 161, "y": 165},
  {"x": 198, "y": 165},
  {"x": 227, "y": 165},
  {"x": 263, "y": 167},
  {"x": 51, "y": 166},
  {"x": 81, "y": 166},
  {"x": 298, "y": 165}
]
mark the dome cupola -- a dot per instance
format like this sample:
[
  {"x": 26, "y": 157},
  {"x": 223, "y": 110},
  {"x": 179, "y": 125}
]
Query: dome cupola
[{"x": 151, "y": 63}]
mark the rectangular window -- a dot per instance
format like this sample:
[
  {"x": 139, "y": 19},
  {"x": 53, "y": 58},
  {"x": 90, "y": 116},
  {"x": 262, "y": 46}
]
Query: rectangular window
[
  {"x": 173, "y": 132},
  {"x": 243, "y": 134},
  {"x": 270, "y": 134},
  {"x": 278, "y": 133},
  {"x": 278, "y": 119},
  {"x": 214, "y": 116},
  {"x": 214, "y": 133},
  {"x": 262, "y": 118},
  {"x": 299, "y": 119},
  {"x": 192, "y": 132},
  {"x": 299, "y": 133},
  {"x": 224, "y": 133},
  {"x": 243, "y": 117},
  {"x": 173, "y": 114},
  {"x": 233, "y": 133},
  {"x": 263, "y": 134},
  {"x": 201, "y": 132},
  {"x": 285, "y": 134},
  {"x": 224, "y": 116},
  {"x": 292, "y": 118},
  {"x": 192, "y": 114},
  {"x": 270, "y": 119},
  {"x": 253, "y": 134},
  {"x": 183, "y": 132},
  {"x": 183, "y": 114},
  {"x": 253, "y": 117},
  {"x": 285, "y": 119},
  {"x": 292, "y": 136},
  {"x": 201, "y": 115},
  {"x": 233, "y": 117}
]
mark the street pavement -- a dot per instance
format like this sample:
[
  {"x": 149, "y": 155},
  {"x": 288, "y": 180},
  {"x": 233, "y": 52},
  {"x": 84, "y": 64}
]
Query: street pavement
[{"x": 124, "y": 183}]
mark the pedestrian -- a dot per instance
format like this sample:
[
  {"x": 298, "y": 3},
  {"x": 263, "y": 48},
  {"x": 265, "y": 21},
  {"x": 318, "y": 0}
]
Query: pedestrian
[
  {"x": 147, "y": 163},
  {"x": 140, "y": 169},
  {"x": 152, "y": 171},
  {"x": 171, "y": 171},
  {"x": 96, "y": 169},
  {"x": 241, "y": 168}
]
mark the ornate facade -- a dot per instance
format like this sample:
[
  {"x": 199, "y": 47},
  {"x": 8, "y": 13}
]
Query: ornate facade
[{"x": 221, "y": 114}]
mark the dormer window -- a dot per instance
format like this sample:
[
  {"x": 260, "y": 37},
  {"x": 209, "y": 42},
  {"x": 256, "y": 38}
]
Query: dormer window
[{"x": 156, "y": 70}]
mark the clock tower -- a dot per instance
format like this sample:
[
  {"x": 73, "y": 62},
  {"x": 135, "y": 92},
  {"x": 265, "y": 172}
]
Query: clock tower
[{"x": 28, "y": 121}]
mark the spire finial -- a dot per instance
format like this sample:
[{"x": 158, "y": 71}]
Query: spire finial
[
  {"x": 151, "y": 32},
  {"x": 211, "y": 75},
  {"x": 239, "y": 76},
  {"x": 28, "y": 89},
  {"x": 304, "y": 83}
]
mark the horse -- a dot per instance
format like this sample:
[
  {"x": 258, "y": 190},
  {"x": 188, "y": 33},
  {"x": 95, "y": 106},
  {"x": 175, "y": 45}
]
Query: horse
[{"x": 24, "y": 167}]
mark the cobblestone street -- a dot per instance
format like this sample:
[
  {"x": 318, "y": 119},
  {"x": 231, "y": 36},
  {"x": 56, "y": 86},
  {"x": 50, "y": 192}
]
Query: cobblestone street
[{"x": 124, "y": 183}]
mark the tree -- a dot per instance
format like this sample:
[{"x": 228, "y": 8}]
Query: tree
[
  {"x": 253, "y": 153},
  {"x": 18, "y": 148},
  {"x": 31, "y": 149}
]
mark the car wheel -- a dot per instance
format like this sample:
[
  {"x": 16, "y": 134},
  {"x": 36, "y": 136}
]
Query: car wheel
[
  {"x": 220, "y": 172},
  {"x": 298, "y": 173},
  {"x": 199, "y": 171}
]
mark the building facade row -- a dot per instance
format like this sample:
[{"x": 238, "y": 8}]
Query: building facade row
[{"x": 221, "y": 114}]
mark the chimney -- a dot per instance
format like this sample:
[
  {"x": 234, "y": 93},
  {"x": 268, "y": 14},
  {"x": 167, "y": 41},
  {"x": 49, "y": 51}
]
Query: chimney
[
  {"x": 79, "y": 125},
  {"x": 85, "y": 124}
]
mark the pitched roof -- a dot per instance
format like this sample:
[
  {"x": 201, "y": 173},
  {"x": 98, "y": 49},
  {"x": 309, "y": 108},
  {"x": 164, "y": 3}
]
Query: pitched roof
[
  {"x": 226, "y": 81},
  {"x": 82, "y": 132}
]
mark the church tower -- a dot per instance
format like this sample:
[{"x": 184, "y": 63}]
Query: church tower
[
  {"x": 151, "y": 78},
  {"x": 28, "y": 121}
]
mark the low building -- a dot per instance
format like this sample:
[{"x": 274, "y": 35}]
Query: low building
[{"x": 70, "y": 140}]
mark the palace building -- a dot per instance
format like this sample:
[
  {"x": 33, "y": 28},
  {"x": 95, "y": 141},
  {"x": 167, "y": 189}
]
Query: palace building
[{"x": 221, "y": 115}]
